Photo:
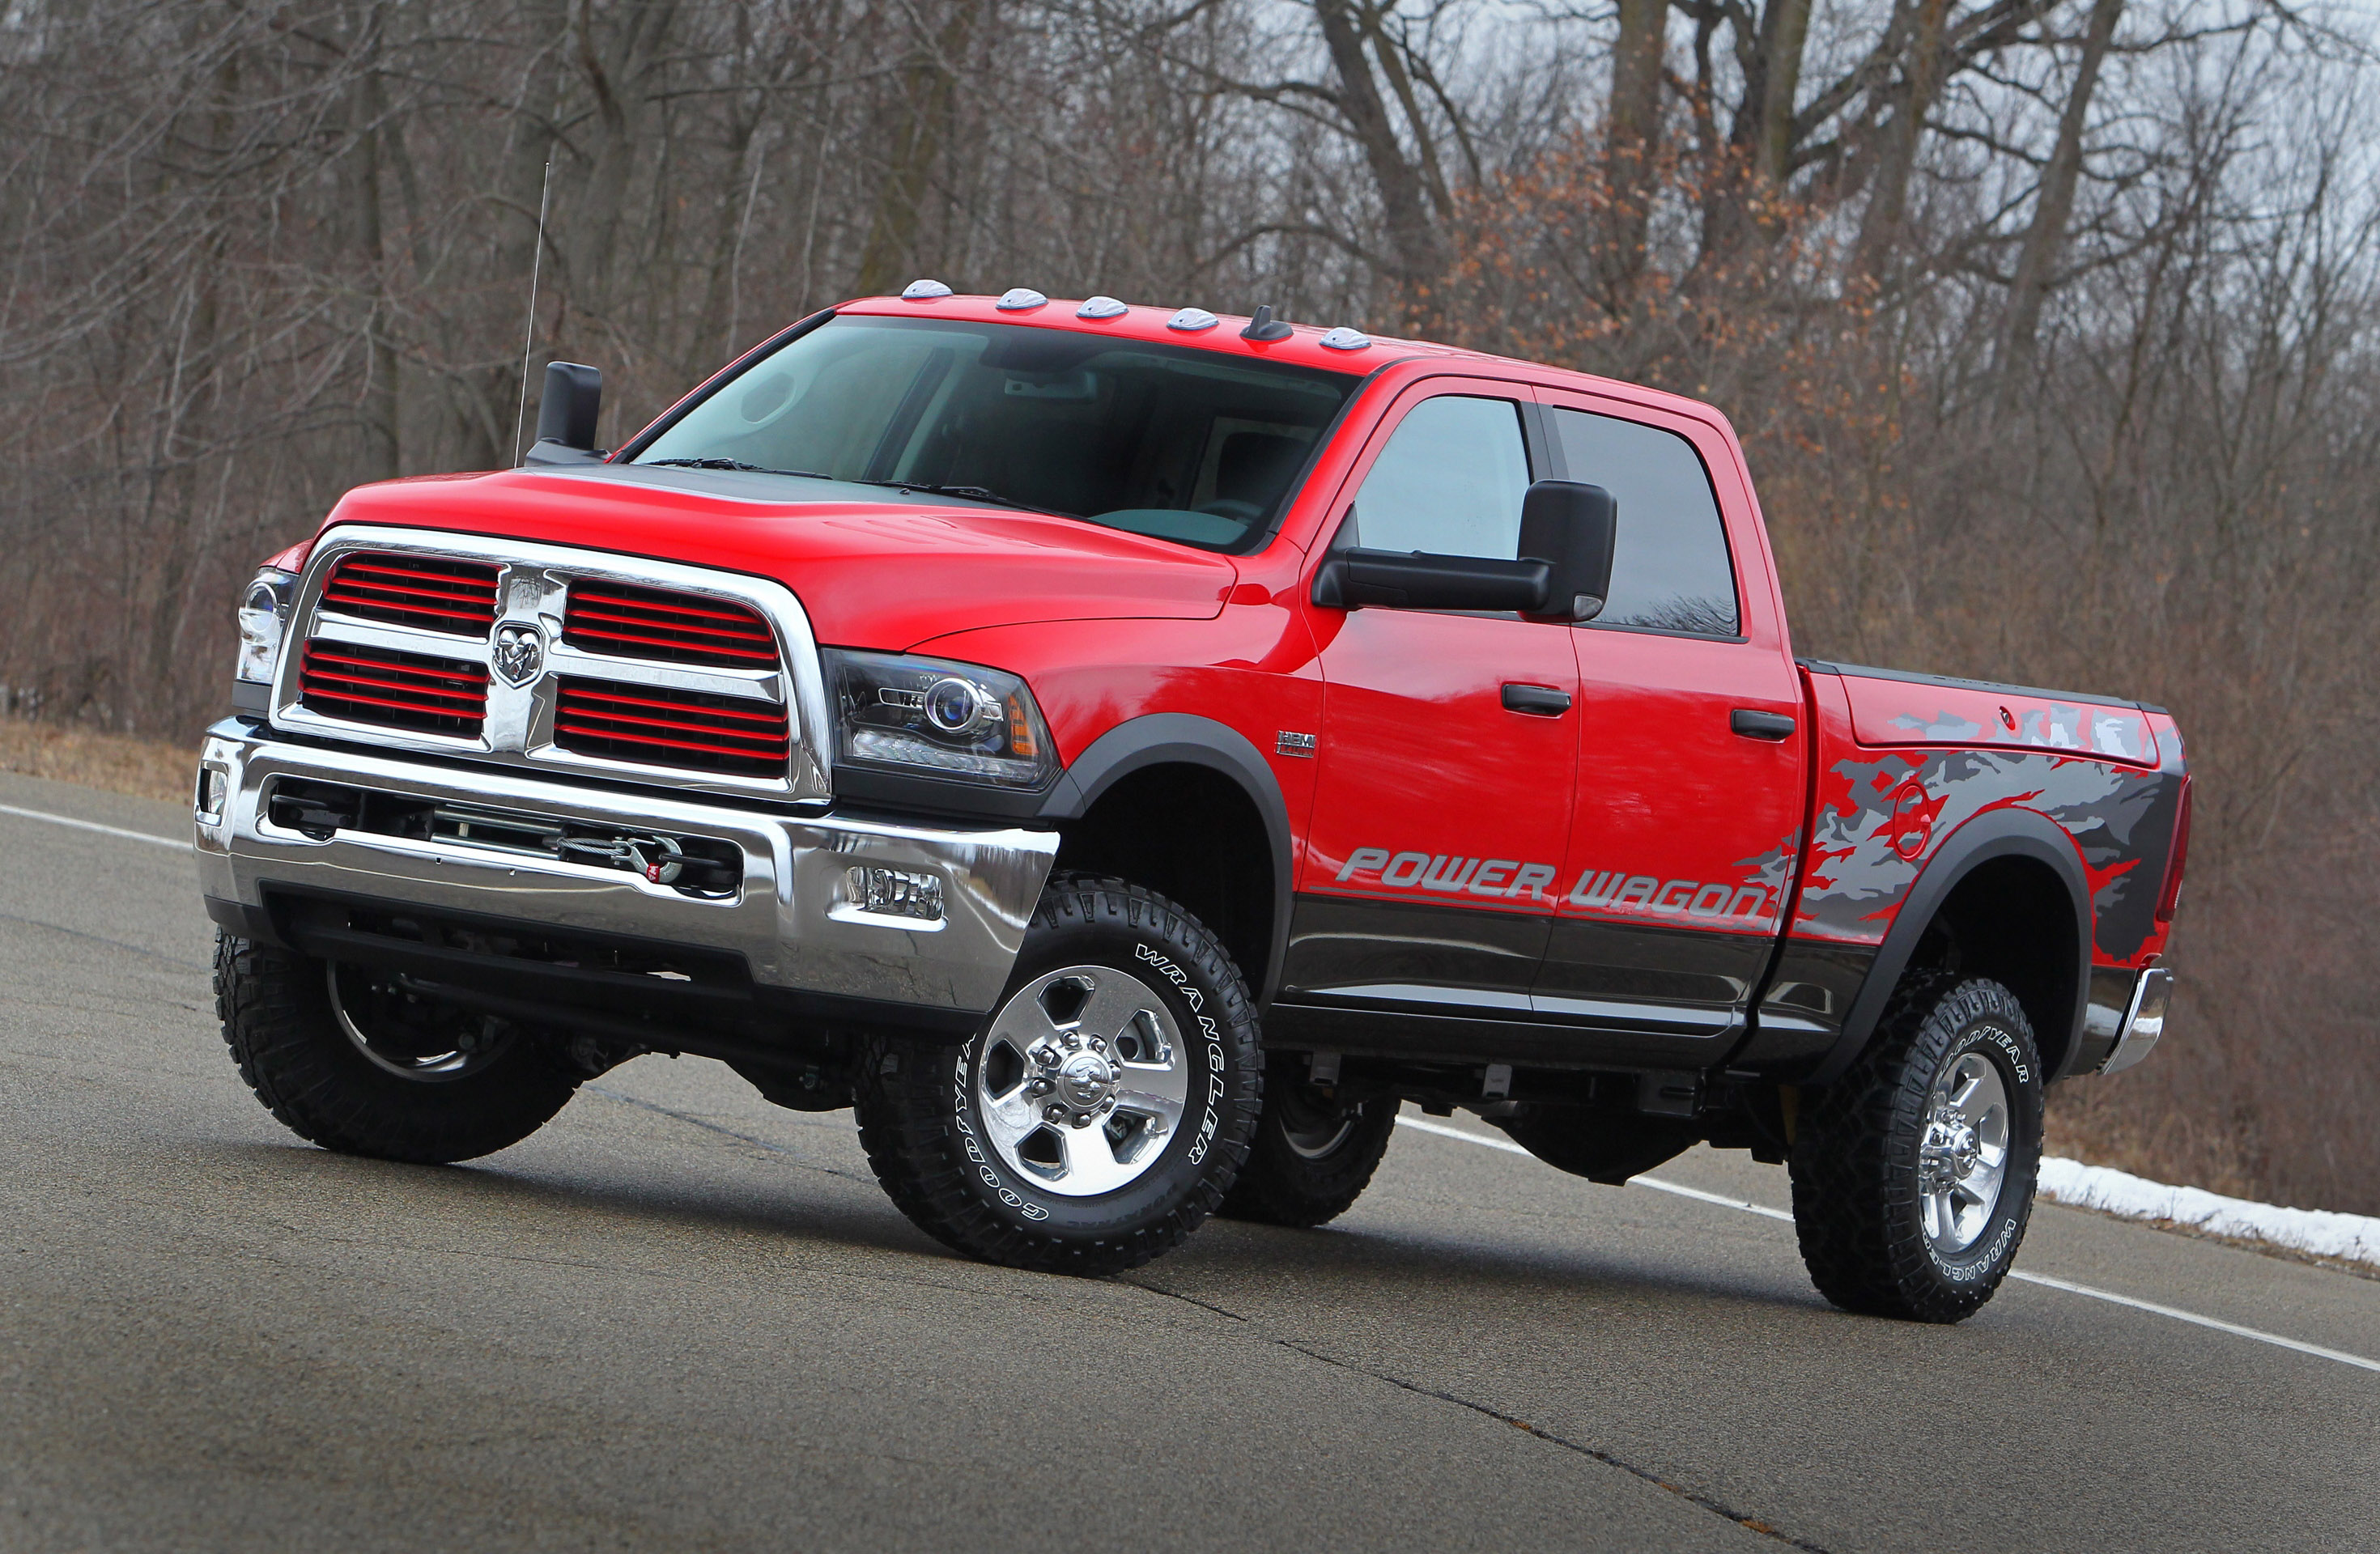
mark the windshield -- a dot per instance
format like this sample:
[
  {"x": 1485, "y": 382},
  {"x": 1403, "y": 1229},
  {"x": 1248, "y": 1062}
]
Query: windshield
[{"x": 1161, "y": 440}]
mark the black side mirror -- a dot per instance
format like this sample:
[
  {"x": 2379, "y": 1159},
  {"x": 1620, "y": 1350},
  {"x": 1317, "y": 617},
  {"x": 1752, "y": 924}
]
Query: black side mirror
[
  {"x": 1416, "y": 581},
  {"x": 565, "y": 415},
  {"x": 1574, "y": 529}
]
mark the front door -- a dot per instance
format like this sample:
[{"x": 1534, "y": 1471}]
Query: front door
[
  {"x": 1443, "y": 798},
  {"x": 1691, "y": 757}
]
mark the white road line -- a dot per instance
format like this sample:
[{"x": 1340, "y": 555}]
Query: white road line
[
  {"x": 2195, "y": 1319},
  {"x": 1467, "y": 1138},
  {"x": 94, "y": 825},
  {"x": 2042, "y": 1278}
]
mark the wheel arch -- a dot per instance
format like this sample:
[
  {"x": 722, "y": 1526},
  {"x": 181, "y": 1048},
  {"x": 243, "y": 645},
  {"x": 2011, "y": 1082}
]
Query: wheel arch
[
  {"x": 2010, "y": 888},
  {"x": 1235, "y": 875}
]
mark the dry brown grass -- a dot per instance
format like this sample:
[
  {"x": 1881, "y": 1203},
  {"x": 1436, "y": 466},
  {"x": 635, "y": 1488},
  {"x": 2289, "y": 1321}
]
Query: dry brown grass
[{"x": 158, "y": 768}]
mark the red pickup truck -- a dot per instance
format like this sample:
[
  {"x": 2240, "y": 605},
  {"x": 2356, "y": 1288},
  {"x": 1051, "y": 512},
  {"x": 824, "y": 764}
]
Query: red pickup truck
[{"x": 1126, "y": 754}]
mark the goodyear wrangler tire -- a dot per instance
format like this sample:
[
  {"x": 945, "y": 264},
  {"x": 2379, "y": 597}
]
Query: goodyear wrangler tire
[
  {"x": 1312, "y": 1159},
  {"x": 1914, "y": 1173},
  {"x": 349, "y": 1060},
  {"x": 1104, "y": 1110}
]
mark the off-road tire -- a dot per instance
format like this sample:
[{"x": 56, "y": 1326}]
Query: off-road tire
[
  {"x": 1856, "y": 1194},
  {"x": 275, "y": 1008},
  {"x": 1283, "y": 1185},
  {"x": 914, "y": 1100}
]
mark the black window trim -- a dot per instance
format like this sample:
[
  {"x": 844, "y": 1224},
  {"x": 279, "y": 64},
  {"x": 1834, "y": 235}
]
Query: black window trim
[{"x": 1661, "y": 630}]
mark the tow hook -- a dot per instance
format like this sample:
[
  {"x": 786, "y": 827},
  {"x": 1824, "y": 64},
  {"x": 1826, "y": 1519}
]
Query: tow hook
[{"x": 661, "y": 858}]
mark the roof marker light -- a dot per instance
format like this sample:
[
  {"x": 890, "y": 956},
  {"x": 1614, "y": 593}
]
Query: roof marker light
[
  {"x": 1016, "y": 299},
  {"x": 1345, "y": 339},
  {"x": 1190, "y": 320},
  {"x": 924, "y": 291},
  {"x": 1101, "y": 307}
]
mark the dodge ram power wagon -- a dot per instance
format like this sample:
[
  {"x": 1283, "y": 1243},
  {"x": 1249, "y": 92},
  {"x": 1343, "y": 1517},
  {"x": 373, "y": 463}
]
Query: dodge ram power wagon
[{"x": 1125, "y": 754}]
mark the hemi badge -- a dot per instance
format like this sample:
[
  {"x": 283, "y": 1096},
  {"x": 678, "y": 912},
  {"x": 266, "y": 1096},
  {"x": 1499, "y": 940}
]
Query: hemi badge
[{"x": 1288, "y": 744}]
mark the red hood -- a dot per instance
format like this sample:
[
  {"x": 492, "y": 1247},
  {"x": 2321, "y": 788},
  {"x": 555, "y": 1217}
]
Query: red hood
[{"x": 881, "y": 574}]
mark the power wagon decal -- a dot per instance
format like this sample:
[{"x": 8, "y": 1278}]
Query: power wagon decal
[{"x": 1751, "y": 900}]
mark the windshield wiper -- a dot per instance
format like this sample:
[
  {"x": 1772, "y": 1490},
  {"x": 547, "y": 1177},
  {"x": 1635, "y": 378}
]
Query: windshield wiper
[
  {"x": 971, "y": 493},
  {"x": 729, "y": 464}
]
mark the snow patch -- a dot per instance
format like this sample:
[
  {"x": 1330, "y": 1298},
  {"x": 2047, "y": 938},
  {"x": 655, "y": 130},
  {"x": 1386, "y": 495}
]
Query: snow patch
[{"x": 2351, "y": 1237}]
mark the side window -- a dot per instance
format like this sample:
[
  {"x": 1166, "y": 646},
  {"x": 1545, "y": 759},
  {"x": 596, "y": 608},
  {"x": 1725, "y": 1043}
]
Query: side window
[
  {"x": 1450, "y": 482},
  {"x": 1670, "y": 569}
]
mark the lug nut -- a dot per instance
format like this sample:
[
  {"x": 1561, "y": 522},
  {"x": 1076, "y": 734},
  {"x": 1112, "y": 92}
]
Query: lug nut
[
  {"x": 1037, "y": 1087},
  {"x": 1072, "y": 1041},
  {"x": 1082, "y": 1118},
  {"x": 1053, "y": 1112},
  {"x": 1099, "y": 1044}
]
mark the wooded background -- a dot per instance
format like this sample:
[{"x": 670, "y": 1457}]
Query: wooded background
[{"x": 2048, "y": 325}]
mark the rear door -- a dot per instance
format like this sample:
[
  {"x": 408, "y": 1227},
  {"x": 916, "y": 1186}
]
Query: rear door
[
  {"x": 1443, "y": 799},
  {"x": 1690, "y": 780}
]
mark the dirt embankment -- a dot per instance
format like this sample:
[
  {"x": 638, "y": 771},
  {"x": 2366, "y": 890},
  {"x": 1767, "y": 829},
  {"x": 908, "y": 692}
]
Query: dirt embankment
[{"x": 159, "y": 768}]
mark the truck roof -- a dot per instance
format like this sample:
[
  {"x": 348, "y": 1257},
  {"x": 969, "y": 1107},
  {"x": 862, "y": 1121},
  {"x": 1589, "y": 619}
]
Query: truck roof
[{"x": 1304, "y": 346}]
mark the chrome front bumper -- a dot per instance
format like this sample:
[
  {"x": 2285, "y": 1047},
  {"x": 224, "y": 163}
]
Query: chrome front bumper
[{"x": 789, "y": 919}]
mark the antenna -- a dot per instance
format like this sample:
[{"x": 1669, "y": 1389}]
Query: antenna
[{"x": 536, "y": 262}]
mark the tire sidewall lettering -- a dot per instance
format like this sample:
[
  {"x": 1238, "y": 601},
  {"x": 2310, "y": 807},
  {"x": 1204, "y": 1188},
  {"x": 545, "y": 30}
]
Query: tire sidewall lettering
[
  {"x": 963, "y": 1121},
  {"x": 1987, "y": 1259}
]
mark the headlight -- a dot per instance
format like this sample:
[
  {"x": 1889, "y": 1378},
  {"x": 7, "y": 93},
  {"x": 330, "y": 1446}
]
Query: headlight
[
  {"x": 263, "y": 611},
  {"x": 958, "y": 720}
]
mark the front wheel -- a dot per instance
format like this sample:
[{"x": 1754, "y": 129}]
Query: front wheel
[
  {"x": 1914, "y": 1173},
  {"x": 1103, "y": 1112},
  {"x": 1313, "y": 1156},
  {"x": 357, "y": 1061}
]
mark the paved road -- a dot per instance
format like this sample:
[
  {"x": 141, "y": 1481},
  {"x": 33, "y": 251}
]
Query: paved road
[{"x": 682, "y": 1319}]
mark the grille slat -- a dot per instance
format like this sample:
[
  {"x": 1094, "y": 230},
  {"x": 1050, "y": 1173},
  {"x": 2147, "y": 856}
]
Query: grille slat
[
  {"x": 624, "y": 621},
  {"x": 432, "y": 592},
  {"x": 664, "y": 727},
  {"x": 397, "y": 689}
]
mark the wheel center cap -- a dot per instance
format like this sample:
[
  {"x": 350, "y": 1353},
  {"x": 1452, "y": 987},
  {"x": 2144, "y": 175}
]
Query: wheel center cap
[
  {"x": 1950, "y": 1150},
  {"x": 1084, "y": 1079}
]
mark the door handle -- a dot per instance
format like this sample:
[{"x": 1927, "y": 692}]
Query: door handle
[
  {"x": 1754, "y": 725},
  {"x": 1543, "y": 701}
]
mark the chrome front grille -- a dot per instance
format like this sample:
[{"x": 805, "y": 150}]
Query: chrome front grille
[{"x": 550, "y": 657}]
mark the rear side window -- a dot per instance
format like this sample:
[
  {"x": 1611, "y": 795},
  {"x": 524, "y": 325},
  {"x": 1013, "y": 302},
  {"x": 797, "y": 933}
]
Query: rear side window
[
  {"x": 1670, "y": 569},
  {"x": 1450, "y": 482}
]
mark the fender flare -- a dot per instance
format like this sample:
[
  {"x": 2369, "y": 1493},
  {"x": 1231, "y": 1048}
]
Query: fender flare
[
  {"x": 1998, "y": 833},
  {"x": 1184, "y": 739}
]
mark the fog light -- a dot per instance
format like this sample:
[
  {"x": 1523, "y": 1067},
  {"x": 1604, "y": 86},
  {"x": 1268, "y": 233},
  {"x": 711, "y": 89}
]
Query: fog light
[{"x": 894, "y": 892}]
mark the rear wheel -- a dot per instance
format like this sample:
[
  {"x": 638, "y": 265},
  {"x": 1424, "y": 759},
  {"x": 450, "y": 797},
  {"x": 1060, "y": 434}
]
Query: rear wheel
[
  {"x": 351, "y": 1059},
  {"x": 1313, "y": 1156},
  {"x": 1104, "y": 1110},
  {"x": 1914, "y": 1173}
]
